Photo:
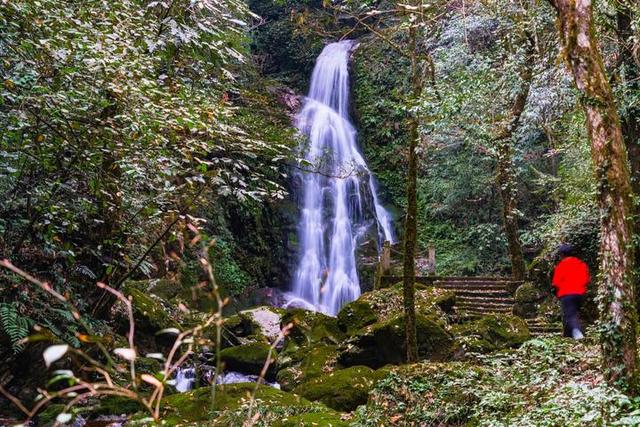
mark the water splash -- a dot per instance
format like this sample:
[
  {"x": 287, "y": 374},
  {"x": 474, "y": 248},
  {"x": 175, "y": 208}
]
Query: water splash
[{"x": 339, "y": 199}]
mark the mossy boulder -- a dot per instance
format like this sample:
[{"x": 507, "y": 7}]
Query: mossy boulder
[
  {"x": 258, "y": 324},
  {"x": 491, "y": 333},
  {"x": 117, "y": 405},
  {"x": 151, "y": 311},
  {"x": 309, "y": 327},
  {"x": 528, "y": 293},
  {"x": 298, "y": 364},
  {"x": 343, "y": 390},
  {"x": 249, "y": 358},
  {"x": 383, "y": 304},
  {"x": 356, "y": 315},
  {"x": 445, "y": 301},
  {"x": 196, "y": 405},
  {"x": 384, "y": 343}
]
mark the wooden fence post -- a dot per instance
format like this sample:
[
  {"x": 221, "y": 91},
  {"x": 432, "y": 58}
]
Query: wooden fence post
[{"x": 431, "y": 260}]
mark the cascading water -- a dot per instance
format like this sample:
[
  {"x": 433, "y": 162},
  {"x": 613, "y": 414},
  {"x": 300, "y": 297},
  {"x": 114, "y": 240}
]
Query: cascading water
[{"x": 339, "y": 198}]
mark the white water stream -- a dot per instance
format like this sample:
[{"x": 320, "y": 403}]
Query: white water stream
[{"x": 339, "y": 199}]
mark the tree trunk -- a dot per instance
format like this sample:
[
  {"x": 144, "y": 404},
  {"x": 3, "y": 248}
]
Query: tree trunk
[
  {"x": 410, "y": 224},
  {"x": 629, "y": 77},
  {"x": 504, "y": 168},
  {"x": 506, "y": 187},
  {"x": 616, "y": 283}
]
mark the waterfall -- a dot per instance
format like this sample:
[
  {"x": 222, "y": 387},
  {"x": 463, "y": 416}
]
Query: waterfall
[{"x": 339, "y": 199}]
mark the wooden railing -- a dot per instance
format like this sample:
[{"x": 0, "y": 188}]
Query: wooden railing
[{"x": 384, "y": 279}]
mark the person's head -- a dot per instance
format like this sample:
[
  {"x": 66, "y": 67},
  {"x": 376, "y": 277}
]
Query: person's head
[{"x": 566, "y": 250}]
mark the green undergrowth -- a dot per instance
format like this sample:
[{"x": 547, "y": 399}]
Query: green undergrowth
[{"x": 546, "y": 382}]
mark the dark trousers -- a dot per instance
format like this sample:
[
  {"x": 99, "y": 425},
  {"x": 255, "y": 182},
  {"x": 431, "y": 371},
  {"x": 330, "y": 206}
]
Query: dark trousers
[{"x": 570, "y": 313}]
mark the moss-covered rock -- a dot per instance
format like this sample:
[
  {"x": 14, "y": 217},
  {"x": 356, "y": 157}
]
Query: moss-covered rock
[
  {"x": 383, "y": 304},
  {"x": 528, "y": 293},
  {"x": 196, "y": 405},
  {"x": 261, "y": 324},
  {"x": 343, "y": 390},
  {"x": 384, "y": 343},
  {"x": 238, "y": 329},
  {"x": 492, "y": 332},
  {"x": 249, "y": 358},
  {"x": 356, "y": 315},
  {"x": 446, "y": 301},
  {"x": 117, "y": 405},
  {"x": 150, "y": 310},
  {"x": 299, "y": 364},
  {"x": 309, "y": 327}
]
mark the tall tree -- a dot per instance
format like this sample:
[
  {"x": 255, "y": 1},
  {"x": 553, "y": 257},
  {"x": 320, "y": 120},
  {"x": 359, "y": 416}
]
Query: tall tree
[
  {"x": 504, "y": 164},
  {"x": 628, "y": 77},
  {"x": 616, "y": 281},
  {"x": 410, "y": 223},
  {"x": 412, "y": 18}
]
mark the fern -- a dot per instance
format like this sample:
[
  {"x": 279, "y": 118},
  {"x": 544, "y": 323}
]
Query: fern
[{"x": 14, "y": 325}]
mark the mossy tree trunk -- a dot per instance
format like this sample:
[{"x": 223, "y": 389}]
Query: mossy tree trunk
[
  {"x": 505, "y": 178},
  {"x": 616, "y": 282},
  {"x": 628, "y": 78},
  {"x": 410, "y": 224}
]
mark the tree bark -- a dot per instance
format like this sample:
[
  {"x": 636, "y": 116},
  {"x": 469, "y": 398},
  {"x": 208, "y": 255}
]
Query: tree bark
[
  {"x": 410, "y": 224},
  {"x": 618, "y": 314}
]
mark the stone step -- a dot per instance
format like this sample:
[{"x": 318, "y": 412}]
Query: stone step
[
  {"x": 547, "y": 329},
  {"x": 541, "y": 326},
  {"x": 483, "y": 292},
  {"x": 537, "y": 322},
  {"x": 484, "y": 310},
  {"x": 471, "y": 283},
  {"x": 483, "y": 299},
  {"x": 472, "y": 287},
  {"x": 479, "y": 303}
]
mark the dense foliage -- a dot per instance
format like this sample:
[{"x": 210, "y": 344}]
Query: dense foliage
[
  {"x": 121, "y": 123},
  {"x": 147, "y": 145}
]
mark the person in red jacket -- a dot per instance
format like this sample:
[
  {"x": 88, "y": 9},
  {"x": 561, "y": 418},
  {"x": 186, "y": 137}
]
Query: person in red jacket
[{"x": 570, "y": 280}]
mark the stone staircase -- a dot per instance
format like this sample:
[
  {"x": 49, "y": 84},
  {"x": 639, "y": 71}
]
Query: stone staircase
[
  {"x": 483, "y": 295},
  {"x": 480, "y": 295},
  {"x": 540, "y": 326}
]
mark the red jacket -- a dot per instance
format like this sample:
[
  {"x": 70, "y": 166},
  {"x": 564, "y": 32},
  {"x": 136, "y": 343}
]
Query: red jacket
[{"x": 571, "y": 277}]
